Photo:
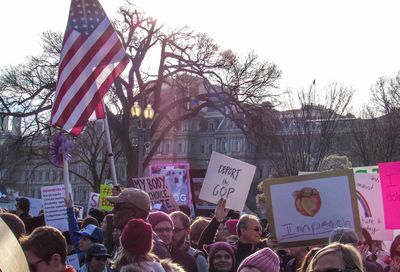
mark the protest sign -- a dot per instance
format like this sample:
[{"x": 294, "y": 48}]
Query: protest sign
[
  {"x": 158, "y": 190},
  {"x": 390, "y": 181},
  {"x": 55, "y": 211},
  {"x": 366, "y": 169},
  {"x": 94, "y": 201},
  {"x": 36, "y": 204},
  {"x": 303, "y": 210},
  {"x": 177, "y": 177},
  {"x": 12, "y": 257},
  {"x": 370, "y": 205},
  {"x": 227, "y": 178},
  {"x": 73, "y": 260},
  {"x": 105, "y": 191}
]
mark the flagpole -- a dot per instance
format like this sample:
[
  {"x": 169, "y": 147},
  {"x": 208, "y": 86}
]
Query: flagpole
[
  {"x": 109, "y": 148},
  {"x": 66, "y": 177}
]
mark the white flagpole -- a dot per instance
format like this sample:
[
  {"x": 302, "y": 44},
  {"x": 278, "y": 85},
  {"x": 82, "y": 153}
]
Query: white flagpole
[
  {"x": 66, "y": 177},
  {"x": 109, "y": 149}
]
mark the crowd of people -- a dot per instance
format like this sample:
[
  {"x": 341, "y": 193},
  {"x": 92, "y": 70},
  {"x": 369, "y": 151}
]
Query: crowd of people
[{"x": 133, "y": 237}]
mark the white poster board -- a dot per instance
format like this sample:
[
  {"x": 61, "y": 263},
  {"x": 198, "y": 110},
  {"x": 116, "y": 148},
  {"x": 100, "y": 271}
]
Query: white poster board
[
  {"x": 370, "y": 205},
  {"x": 303, "y": 210},
  {"x": 227, "y": 178},
  {"x": 55, "y": 211},
  {"x": 157, "y": 187},
  {"x": 36, "y": 204},
  {"x": 73, "y": 260},
  {"x": 94, "y": 201},
  {"x": 12, "y": 257}
]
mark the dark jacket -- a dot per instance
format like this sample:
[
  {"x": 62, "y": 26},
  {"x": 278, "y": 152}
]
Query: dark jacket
[{"x": 184, "y": 259}]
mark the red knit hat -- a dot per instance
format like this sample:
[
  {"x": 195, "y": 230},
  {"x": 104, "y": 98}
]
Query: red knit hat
[
  {"x": 137, "y": 237},
  {"x": 157, "y": 217},
  {"x": 231, "y": 224},
  {"x": 264, "y": 259}
]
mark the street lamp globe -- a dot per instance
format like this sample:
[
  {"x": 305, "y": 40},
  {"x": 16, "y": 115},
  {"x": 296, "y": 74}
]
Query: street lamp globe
[
  {"x": 148, "y": 112},
  {"x": 136, "y": 110}
]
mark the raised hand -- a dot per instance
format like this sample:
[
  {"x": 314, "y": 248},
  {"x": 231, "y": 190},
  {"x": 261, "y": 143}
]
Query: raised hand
[{"x": 220, "y": 211}]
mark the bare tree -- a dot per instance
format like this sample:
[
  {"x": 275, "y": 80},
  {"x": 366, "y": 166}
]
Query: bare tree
[
  {"x": 306, "y": 134},
  {"x": 376, "y": 134},
  {"x": 161, "y": 60}
]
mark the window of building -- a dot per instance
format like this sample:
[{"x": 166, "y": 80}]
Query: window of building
[
  {"x": 179, "y": 148},
  {"x": 210, "y": 148},
  {"x": 192, "y": 149},
  {"x": 211, "y": 126},
  {"x": 202, "y": 149},
  {"x": 167, "y": 148}
]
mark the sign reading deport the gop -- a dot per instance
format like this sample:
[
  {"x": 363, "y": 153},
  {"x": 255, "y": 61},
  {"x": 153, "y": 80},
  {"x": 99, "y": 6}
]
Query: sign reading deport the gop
[{"x": 229, "y": 179}]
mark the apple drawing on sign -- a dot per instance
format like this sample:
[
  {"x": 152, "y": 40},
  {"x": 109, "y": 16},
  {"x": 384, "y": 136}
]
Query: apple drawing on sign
[{"x": 307, "y": 201}]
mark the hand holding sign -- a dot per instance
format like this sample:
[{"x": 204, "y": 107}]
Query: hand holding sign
[
  {"x": 229, "y": 179},
  {"x": 220, "y": 211}
]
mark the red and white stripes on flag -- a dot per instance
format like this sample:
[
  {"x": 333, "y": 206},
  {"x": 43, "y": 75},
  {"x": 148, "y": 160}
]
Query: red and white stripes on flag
[{"x": 92, "y": 57}]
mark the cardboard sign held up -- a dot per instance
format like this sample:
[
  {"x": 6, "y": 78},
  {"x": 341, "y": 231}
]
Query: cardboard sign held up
[
  {"x": 390, "y": 180},
  {"x": 105, "y": 191},
  {"x": 55, "y": 211},
  {"x": 12, "y": 257},
  {"x": 370, "y": 205},
  {"x": 303, "y": 210},
  {"x": 158, "y": 190},
  {"x": 94, "y": 201},
  {"x": 227, "y": 178}
]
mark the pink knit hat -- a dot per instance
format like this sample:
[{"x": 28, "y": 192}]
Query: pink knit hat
[
  {"x": 231, "y": 224},
  {"x": 264, "y": 259}
]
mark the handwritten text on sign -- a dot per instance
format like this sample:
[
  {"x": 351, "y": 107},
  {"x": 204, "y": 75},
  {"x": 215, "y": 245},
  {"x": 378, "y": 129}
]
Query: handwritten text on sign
[
  {"x": 227, "y": 178},
  {"x": 157, "y": 188},
  {"x": 369, "y": 198},
  {"x": 390, "y": 181},
  {"x": 55, "y": 211}
]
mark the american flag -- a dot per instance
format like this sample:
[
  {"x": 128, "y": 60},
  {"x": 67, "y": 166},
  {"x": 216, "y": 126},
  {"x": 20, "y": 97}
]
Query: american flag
[{"x": 92, "y": 57}]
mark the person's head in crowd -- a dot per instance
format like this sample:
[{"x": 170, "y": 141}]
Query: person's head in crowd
[
  {"x": 15, "y": 224},
  {"x": 116, "y": 233},
  {"x": 107, "y": 229},
  {"x": 98, "y": 214},
  {"x": 249, "y": 229},
  {"x": 395, "y": 248},
  {"x": 307, "y": 259},
  {"x": 170, "y": 266},
  {"x": 88, "y": 220},
  {"x": 45, "y": 250},
  {"x": 226, "y": 230},
  {"x": 185, "y": 209},
  {"x": 337, "y": 256},
  {"x": 263, "y": 260},
  {"x": 136, "y": 242},
  {"x": 130, "y": 203},
  {"x": 221, "y": 257},
  {"x": 88, "y": 236},
  {"x": 298, "y": 252},
  {"x": 181, "y": 229},
  {"x": 162, "y": 225},
  {"x": 344, "y": 236},
  {"x": 96, "y": 258},
  {"x": 70, "y": 246},
  {"x": 22, "y": 206},
  {"x": 366, "y": 238},
  {"x": 196, "y": 229}
]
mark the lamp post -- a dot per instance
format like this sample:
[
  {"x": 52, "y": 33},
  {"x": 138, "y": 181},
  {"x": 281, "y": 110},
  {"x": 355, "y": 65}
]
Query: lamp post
[{"x": 141, "y": 131}]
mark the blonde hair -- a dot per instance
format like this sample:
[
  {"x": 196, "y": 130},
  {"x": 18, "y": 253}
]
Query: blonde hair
[
  {"x": 125, "y": 258},
  {"x": 351, "y": 257},
  {"x": 170, "y": 266}
]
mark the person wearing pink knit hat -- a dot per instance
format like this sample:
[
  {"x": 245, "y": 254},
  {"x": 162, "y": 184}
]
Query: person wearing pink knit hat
[{"x": 264, "y": 260}]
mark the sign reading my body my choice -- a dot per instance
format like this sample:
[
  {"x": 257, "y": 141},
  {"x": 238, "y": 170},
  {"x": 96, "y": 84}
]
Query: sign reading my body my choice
[{"x": 229, "y": 179}]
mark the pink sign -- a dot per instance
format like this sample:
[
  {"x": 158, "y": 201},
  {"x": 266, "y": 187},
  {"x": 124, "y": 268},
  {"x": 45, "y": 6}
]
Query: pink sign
[{"x": 390, "y": 181}]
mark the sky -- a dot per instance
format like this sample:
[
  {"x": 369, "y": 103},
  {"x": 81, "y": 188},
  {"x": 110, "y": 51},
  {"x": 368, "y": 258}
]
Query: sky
[{"x": 350, "y": 42}]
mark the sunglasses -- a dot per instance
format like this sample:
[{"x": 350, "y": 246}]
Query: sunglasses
[{"x": 32, "y": 267}]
